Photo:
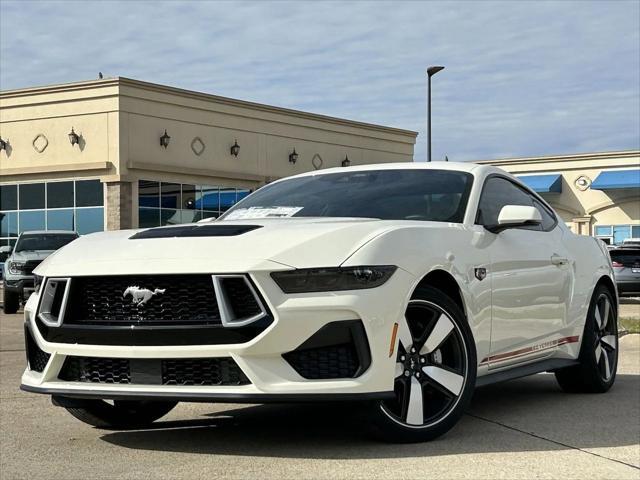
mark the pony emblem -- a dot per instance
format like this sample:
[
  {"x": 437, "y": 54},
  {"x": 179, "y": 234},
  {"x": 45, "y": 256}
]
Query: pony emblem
[{"x": 140, "y": 296}]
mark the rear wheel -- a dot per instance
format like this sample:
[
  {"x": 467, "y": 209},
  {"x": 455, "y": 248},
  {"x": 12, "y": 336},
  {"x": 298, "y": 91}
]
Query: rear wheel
[
  {"x": 435, "y": 371},
  {"x": 11, "y": 301},
  {"x": 598, "y": 358},
  {"x": 122, "y": 414}
]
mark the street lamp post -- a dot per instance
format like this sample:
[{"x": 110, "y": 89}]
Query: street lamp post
[{"x": 431, "y": 71}]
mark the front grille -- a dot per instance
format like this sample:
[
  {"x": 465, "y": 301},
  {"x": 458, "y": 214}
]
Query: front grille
[
  {"x": 172, "y": 299},
  {"x": 179, "y": 372},
  {"x": 202, "y": 371},
  {"x": 30, "y": 266},
  {"x": 37, "y": 358},
  {"x": 335, "y": 361},
  {"x": 96, "y": 370}
]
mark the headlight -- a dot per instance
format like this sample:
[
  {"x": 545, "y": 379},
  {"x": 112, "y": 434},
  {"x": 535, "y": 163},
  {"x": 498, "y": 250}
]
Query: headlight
[
  {"x": 16, "y": 267},
  {"x": 332, "y": 279},
  {"x": 37, "y": 281}
]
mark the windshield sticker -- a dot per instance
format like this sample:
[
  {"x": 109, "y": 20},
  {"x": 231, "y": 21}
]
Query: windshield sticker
[{"x": 263, "y": 212}]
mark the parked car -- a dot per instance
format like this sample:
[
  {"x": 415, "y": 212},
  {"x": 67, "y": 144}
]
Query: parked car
[
  {"x": 404, "y": 286},
  {"x": 31, "y": 248},
  {"x": 626, "y": 269}
]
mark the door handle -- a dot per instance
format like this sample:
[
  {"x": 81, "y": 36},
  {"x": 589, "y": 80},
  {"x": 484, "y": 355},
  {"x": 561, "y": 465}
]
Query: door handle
[{"x": 558, "y": 260}]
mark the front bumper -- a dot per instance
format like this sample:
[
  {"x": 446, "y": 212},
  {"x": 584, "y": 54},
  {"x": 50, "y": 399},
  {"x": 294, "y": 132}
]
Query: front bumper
[
  {"x": 296, "y": 318},
  {"x": 21, "y": 285},
  {"x": 628, "y": 288}
]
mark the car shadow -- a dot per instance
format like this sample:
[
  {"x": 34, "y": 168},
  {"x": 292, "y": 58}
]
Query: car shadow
[{"x": 502, "y": 418}]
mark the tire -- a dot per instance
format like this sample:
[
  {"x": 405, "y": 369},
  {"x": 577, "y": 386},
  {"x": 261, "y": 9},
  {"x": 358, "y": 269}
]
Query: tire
[
  {"x": 436, "y": 359},
  {"x": 122, "y": 414},
  {"x": 598, "y": 359},
  {"x": 11, "y": 302}
]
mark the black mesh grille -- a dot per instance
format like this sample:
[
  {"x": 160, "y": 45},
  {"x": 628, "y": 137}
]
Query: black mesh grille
[
  {"x": 334, "y": 361},
  {"x": 202, "y": 371},
  {"x": 30, "y": 266},
  {"x": 176, "y": 299},
  {"x": 96, "y": 370},
  {"x": 38, "y": 359},
  {"x": 181, "y": 372},
  {"x": 241, "y": 299}
]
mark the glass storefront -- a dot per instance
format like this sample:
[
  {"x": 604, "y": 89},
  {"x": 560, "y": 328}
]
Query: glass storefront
[
  {"x": 164, "y": 203},
  {"x": 66, "y": 205},
  {"x": 616, "y": 234}
]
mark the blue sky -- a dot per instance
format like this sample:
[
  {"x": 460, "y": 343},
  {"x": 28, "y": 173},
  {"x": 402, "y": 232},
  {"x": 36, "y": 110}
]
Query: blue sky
[{"x": 522, "y": 78}]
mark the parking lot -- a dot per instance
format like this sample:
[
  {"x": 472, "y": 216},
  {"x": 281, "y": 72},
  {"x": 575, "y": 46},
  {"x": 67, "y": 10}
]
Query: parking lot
[{"x": 522, "y": 429}]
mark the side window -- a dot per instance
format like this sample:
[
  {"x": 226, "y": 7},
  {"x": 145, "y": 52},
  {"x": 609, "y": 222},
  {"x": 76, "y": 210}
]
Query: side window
[
  {"x": 548, "y": 219},
  {"x": 497, "y": 193}
]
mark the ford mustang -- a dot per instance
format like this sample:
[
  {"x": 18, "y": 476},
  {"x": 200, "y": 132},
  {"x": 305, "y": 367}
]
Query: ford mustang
[{"x": 402, "y": 286}]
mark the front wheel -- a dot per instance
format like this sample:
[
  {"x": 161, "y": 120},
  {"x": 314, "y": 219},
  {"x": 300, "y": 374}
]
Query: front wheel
[
  {"x": 598, "y": 358},
  {"x": 435, "y": 371},
  {"x": 122, "y": 414},
  {"x": 11, "y": 301}
]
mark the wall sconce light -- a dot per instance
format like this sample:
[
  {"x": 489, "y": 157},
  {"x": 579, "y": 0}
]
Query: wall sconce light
[
  {"x": 346, "y": 162},
  {"x": 74, "y": 138},
  {"x": 164, "y": 139},
  {"x": 3, "y": 144},
  {"x": 293, "y": 156},
  {"x": 235, "y": 149}
]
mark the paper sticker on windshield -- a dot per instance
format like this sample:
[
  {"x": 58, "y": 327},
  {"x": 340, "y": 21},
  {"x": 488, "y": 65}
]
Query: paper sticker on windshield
[{"x": 263, "y": 212}]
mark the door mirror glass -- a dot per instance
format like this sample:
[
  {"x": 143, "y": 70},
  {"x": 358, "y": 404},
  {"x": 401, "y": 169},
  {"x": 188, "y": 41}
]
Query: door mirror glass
[{"x": 514, "y": 216}]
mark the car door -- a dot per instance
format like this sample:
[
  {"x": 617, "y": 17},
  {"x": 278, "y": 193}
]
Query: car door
[{"x": 529, "y": 273}]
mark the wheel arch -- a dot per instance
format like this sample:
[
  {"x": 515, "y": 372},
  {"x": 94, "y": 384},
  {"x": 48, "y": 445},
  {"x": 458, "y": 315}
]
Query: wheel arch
[
  {"x": 606, "y": 282},
  {"x": 447, "y": 284}
]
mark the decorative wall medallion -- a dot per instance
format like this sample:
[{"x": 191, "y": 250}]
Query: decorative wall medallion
[
  {"x": 582, "y": 182},
  {"x": 316, "y": 161},
  {"x": 40, "y": 143},
  {"x": 197, "y": 146}
]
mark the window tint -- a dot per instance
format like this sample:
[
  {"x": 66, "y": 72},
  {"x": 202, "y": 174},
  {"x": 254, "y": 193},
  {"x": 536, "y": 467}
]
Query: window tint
[
  {"x": 402, "y": 194},
  {"x": 59, "y": 194},
  {"x": 628, "y": 257},
  {"x": 8, "y": 197},
  {"x": 548, "y": 220},
  {"x": 31, "y": 196},
  {"x": 89, "y": 193},
  {"x": 498, "y": 192}
]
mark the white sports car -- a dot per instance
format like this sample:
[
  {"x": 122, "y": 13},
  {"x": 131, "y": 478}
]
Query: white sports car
[{"x": 402, "y": 285}]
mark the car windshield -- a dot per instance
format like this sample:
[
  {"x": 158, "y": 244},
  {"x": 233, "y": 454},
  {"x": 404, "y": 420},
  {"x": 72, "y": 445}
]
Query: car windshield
[
  {"x": 628, "y": 257},
  {"x": 43, "y": 241},
  {"x": 402, "y": 194}
]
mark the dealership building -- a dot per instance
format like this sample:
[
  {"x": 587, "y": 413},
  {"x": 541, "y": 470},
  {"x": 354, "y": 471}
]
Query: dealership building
[
  {"x": 119, "y": 153},
  {"x": 594, "y": 193}
]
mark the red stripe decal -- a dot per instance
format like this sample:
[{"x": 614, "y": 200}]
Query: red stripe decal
[{"x": 533, "y": 348}]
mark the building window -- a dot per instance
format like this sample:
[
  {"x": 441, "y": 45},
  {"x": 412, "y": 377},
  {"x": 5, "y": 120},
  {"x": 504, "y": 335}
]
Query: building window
[
  {"x": 616, "y": 234},
  {"x": 67, "y": 205},
  {"x": 164, "y": 203}
]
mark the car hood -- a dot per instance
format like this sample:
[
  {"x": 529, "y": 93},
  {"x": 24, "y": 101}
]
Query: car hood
[
  {"x": 283, "y": 243},
  {"x": 27, "y": 255}
]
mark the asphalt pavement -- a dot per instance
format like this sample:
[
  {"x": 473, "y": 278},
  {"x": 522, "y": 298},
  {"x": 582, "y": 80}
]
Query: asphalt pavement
[{"x": 525, "y": 428}]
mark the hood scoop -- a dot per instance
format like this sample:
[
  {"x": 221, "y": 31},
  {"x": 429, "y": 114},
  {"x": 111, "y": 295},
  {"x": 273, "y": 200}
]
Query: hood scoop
[{"x": 195, "y": 231}]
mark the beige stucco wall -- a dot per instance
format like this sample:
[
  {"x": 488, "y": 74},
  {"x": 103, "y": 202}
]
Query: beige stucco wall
[
  {"x": 121, "y": 120},
  {"x": 583, "y": 209}
]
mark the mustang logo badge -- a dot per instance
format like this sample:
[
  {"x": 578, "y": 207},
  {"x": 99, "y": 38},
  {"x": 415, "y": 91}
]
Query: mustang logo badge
[{"x": 140, "y": 296}]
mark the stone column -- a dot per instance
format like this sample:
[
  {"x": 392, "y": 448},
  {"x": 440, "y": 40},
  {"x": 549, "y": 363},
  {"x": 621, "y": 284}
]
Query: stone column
[{"x": 119, "y": 205}]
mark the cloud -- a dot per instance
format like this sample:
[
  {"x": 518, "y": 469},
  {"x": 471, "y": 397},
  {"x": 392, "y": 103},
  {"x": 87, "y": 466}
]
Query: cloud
[{"x": 521, "y": 78}]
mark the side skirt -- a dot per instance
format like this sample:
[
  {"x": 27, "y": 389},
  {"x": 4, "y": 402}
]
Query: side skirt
[{"x": 524, "y": 371}]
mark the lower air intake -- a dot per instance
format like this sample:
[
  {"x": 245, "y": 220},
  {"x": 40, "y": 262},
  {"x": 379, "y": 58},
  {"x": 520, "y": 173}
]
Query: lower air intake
[
  {"x": 337, "y": 350},
  {"x": 37, "y": 358}
]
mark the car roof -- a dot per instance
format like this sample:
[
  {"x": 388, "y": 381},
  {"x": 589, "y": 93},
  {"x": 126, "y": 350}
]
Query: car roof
[{"x": 468, "y": 167}]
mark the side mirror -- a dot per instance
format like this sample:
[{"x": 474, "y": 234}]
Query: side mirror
[
  {"x": 514, "y": 216},
  {"x": 5, "y": 252}
]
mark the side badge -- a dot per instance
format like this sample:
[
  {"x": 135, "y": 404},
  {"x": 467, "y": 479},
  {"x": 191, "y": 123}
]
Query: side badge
[{"x": 480, "y": 273}]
